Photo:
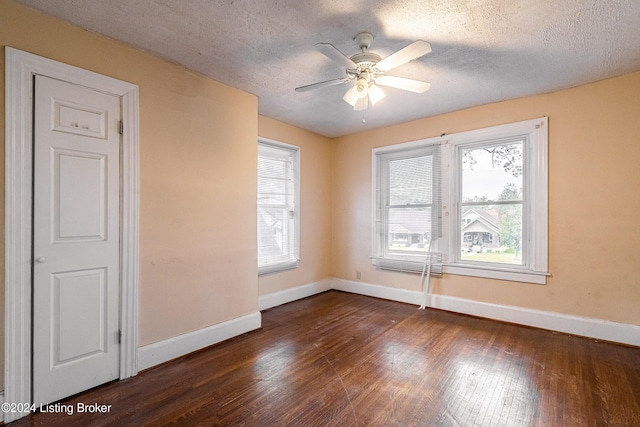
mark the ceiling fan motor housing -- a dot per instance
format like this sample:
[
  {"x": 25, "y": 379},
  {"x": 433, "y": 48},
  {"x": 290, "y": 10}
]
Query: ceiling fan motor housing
[
  {"x": 366, "y": 61},
  {"x": 366, "y": 58}
]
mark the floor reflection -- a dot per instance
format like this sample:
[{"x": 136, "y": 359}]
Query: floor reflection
[
  {"x": 272, "y": 362},
  {"x": 496, "y": 392}
]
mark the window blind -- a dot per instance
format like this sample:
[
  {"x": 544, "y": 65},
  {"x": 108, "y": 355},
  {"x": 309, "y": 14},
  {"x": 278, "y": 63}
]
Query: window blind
[
  {"x": 409, "y": 209},
  {"x": 277, "y": 208}
]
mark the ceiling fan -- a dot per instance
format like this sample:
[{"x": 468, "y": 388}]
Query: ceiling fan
[{"x": 368, "y": 70}]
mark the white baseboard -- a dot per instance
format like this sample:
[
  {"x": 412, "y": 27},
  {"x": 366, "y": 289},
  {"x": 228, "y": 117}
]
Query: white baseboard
[
  {"x": 288, "y": 295},
  {"x": 577, "y": 325},
  {"x": 384, "y": 292},
  {"x": 163, "y": 351}
]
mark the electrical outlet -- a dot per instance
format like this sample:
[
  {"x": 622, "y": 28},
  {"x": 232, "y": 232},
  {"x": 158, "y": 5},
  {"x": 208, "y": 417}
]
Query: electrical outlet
[{"x": 358, "y": 275}]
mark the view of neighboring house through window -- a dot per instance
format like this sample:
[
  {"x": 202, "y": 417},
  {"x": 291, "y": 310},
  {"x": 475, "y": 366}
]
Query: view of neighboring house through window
[
  {"x": 278, "y": 199},
  {"x": 491, "y": 205}
]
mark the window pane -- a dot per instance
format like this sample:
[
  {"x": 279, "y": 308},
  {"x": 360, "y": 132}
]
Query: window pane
[
  {"x": 492, "y": 173},
  {"x": 408, "y": 229},
  {"x": 273, "y": 191},
  {"x": 275, "y": 186},
  {"x": 273, "y": 240},
  {"x": 273, "y": 168},
  {"x": 492, "y": 233},
  {"x": 410, "y": 181}
]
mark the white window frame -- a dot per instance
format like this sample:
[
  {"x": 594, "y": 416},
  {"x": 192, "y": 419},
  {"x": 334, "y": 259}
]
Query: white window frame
[
  {"x": 381, "y": 257},
  {"x": 535, "y": 207},
  {"x": 293, "y": 260}
]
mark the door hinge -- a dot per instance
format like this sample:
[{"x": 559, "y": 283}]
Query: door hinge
[
  {"x": 120, "y": 336},
  {"x": 121, "y": 128}
]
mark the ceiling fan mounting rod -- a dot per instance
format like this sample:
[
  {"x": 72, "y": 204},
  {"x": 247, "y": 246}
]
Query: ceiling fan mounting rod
[
  {"x": 366, "y": 61},
  {"x": 364, "y": 40}
]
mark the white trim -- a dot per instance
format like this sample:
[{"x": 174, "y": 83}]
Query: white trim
[
  {"x": 409, "y": 145},
  {"x": 288, "y": 295},
  {"x": 163, "y": 351},
  {"x": 408, "y": 265},
  {"x": 130, "y": 220},
  {"x": 576, "y": 325},
  {"x": 499, "y": 274},
  {"x": 20, "y": 68},
  {"x": 377, "y": 291},
  {"x": 539, "y": 186},
  {"x": 278, "y": 267}
]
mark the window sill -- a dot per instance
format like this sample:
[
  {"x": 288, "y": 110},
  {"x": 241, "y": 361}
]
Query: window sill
[
  {"x": 278, "y": 267},
  {"x": 526, "y": 276},
  {"x": 408, "y": 265}
]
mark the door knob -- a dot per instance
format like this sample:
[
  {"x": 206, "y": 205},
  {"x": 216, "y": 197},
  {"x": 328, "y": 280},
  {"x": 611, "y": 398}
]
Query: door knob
[{"x": 41, "y": 259}]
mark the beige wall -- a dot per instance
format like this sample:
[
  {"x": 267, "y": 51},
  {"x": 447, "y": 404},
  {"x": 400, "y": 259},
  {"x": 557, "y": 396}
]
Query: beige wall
[
  {"x": 315, "y": 206},
  {"x": 197, "y": 176},
  {"x": 594, "y": 237}
]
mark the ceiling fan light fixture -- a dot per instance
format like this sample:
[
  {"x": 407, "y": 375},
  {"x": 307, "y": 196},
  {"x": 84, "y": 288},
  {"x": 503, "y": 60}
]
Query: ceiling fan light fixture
[
  {"x": 361, "y": 104},
  {"x": 361, "y": 87},
  {"x": 351, "y": 97},
  {"x": 375, "y": 94}
]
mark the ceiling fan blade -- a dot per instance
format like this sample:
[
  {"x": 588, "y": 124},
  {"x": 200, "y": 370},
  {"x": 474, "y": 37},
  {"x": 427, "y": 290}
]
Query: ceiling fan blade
[
  {"x": 332, "y": 52},
  {"x": 415, "y": 50},
  {"x": 322, "y": 84},
  {"x": 416, "y": 86}
]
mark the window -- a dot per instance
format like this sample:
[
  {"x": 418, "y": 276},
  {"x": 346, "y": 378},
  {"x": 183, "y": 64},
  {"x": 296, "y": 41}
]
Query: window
[
  {"x": 407, "y": 211},
  {"x": 491, "y": 219},
  {"x": 491, "y": 202},
  {"x": 497, "y": 202},
  {"x": 278, "y": 201}
]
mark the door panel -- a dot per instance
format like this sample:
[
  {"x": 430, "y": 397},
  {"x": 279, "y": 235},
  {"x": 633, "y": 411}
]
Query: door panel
[
  {"x": 79, "y": 330},
  {"x": 80, "y": 186},
  {"x": 76, "y": 247},
  {"x": 79, "y": 119}
]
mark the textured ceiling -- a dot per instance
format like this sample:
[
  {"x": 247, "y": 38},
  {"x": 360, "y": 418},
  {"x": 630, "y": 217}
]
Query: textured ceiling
[{"x": 483, "y": 50}]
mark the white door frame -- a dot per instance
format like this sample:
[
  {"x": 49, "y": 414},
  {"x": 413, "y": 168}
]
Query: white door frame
[{"x": 20, "y": 68}]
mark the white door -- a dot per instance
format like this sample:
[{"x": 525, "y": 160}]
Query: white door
[{"x": 76, "y": 239}]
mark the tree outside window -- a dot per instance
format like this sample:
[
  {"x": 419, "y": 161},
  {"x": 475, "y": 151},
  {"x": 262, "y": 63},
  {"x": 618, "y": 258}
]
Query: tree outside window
[{"x": 492, "y": 201}]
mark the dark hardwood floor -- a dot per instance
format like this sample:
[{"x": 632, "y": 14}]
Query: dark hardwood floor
[{"x": 339, "y": 359}]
